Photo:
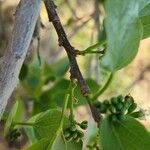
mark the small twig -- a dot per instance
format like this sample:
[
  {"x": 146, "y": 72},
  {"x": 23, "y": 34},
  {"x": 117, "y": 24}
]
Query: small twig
[
  {"x": 63, "y": 41},
  {"x": 72, "y": 98},
  {"x": 78, "y": 52}
]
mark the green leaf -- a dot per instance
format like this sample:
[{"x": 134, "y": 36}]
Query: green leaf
[
  {"x": 40, "y": 145},
  {"x": 91, "y": 48},
  {"x": 47, "y": 124},
  {"x": 64, "y": 145},
  {"x": 44, "y": 144},
  {"x": 15, "y": 115},
  {"x": 124, "y": 135},
  {"x": 29, "y": 130},
  {"x": 145, "y": 20},
  {"x": 124, "y": 31}
]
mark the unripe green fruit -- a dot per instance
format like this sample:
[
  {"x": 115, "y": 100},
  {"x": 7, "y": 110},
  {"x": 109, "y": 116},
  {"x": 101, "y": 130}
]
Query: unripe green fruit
[
  {"x": 114, "y": 100},
  {"x": 119, "y": 106},
  {"x": 126, "y": 104},
  {"x": 132, "y": 108},
  {"x": 83, "y": 126},
  {"x": 120, "y": 117},
  {"x": 103, "y": 108},
  {"x": 114, "y": 118},
  {"x": 75, "y": 135},
  {"x": 120, "y": 98},
  {"x": 66, "y": 134},
  {"x": 123, "y": 110},
  {"x": 138, "y": 114},
  {"x": 17, "y": 134},
  {"x": 13, "y": 132},
  {"x": 80, "y": 134},
  {"x": 69, "y": 138},
  {"x": 84, "y": 122},
  {"x": 106, "y": 103},
  {"x": 112, "y": 109},
  {"x": 129, "y": 99},
  {"x": 77, "y": 139},
  {"x": 73, "y": 128}
]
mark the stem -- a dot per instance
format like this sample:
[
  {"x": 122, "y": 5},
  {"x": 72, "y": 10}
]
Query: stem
[
  {"x": 62, "y": 115},
  {"x": 63, "y": 41},
  {"x": 23, "y": 124},
  {"x": 73, "y": 86},
  {"x": 89, "y": 52},
  {"x": 64, "y": 108},
  {"x": 95, "y": 112},
  {"x": 102, "y": 90}
]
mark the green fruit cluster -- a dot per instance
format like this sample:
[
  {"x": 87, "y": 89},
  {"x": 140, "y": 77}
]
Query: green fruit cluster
[
  {"x": 118, "y": 107},
  {"x": 13, "y": 135},
  {"x": 73, "y": 133}
]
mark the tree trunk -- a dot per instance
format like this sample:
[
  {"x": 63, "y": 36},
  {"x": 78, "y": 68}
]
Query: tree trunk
[{"x": 10, "y": 64}]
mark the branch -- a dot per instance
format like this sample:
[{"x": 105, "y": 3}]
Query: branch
[
  {"x": 10, "y": 64},
  {"x": 63, "y": 41}
]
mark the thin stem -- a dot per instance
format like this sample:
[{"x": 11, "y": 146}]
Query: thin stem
[
  {"x": 89, "y": 52},
  {"x": 73, "y": 86},
  {"x": 102, "y": 90},
  {"x": 95, "y": 112},
  {"x": 64, "y": 109},
  {"x": 63, "y": 41},
  {"x": 23, "y": 124},
  {"x": 63, "y": 114}
]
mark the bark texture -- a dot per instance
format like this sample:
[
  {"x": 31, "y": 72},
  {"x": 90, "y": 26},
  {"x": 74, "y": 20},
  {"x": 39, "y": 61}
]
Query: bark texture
[{"x": 10, "y": 64}]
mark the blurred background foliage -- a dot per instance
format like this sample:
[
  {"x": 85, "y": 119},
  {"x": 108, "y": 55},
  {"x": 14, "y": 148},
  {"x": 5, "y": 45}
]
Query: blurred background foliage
[{"x": 42, "y": 86}]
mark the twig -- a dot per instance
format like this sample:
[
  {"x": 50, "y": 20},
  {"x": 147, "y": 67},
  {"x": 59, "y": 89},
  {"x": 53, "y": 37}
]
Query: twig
[{"x": 63, "y": 41}]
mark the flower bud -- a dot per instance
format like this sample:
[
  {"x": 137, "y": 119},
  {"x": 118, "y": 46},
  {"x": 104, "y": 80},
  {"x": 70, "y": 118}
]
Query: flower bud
[
  {"x": 132, "y": 108},
  {"x": 138, "y": 114},
  {"x": 73, "y": 128},
  {"x": 120, "y": 98},
  {"x": 114, "y": 118},
  {"x": 114, "y": 100}
]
